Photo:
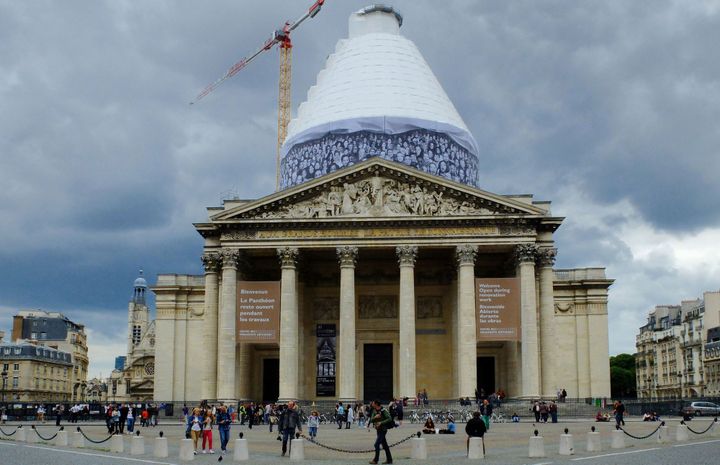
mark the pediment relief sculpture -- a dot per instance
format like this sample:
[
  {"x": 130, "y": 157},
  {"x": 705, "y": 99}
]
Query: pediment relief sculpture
[{"x": 379, "y": 196}]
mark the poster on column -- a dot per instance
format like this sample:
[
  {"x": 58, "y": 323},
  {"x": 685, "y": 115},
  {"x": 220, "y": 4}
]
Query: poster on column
[
  {"x": 258, "y": 311},
  {"x": 497, "y": 303},
  {"x": 326, "y": 350}
]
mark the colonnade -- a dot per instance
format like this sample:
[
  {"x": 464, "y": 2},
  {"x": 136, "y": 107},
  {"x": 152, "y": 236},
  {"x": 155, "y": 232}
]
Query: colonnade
[{"x": 220, "y": 378}]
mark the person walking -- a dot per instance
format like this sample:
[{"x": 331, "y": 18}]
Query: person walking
[
  {"x": 196, "y": 424},
  {"x": 58, "y": 414},
  {"x": 553, "y": 411},
  {"x": 313, "y": 423},
  {"x": 130, "y": 422},
  {"x": 123, "y": 417},
  {"x": 382, "y": 420},
  {"x": 349, "y": 416},
  {"x": 475, "y": 428},
  {"x": 340, "y": 415},
  {"x": 207, "y": 433},
  {"x": 487, "y": 410},
  {"x": 223, "y": 421},
  {"x": 619, "y": 413},
  {"x": 289, "y": 421}
]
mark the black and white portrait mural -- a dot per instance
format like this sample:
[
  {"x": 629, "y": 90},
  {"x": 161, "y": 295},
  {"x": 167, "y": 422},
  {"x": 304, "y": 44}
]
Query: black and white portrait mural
[{"x": 433, "y": 152}]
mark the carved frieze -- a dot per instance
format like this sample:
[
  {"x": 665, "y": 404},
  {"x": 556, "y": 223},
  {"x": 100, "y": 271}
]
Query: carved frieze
[
  {"x": 326, "y": 308},
  {"x": 429, "y": 307},
  {"x": 378, "y": 307},
  {"x": 378, "y": 196}
]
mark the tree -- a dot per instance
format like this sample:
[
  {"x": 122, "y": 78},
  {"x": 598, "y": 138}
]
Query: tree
[{"x": 622, "y": 375}]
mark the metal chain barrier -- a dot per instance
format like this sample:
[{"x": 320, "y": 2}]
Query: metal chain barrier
[
  {"x": 10, "y": 434},
  {"x": 353, "y": 451},
  {"x": 92, "y": 440},
  {"x": 641, "y": 437},
  {"x": 44, "y": 438},
  {"x": 700, "y": 432}
]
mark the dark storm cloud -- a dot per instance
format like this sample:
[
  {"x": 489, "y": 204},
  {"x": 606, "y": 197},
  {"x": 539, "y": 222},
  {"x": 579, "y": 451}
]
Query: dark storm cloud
[{"x": 104, "y": 166}]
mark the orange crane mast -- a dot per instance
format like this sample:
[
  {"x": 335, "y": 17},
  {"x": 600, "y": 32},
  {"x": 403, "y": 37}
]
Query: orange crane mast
[{"x": 280, "y": 37}]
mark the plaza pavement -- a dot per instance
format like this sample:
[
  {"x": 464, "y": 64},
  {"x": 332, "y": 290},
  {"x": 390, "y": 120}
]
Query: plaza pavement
[{"x": 505, "y": 443}]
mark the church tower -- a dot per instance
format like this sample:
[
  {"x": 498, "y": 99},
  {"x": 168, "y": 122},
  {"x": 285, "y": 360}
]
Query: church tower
[{"x": 138, "y": 317}]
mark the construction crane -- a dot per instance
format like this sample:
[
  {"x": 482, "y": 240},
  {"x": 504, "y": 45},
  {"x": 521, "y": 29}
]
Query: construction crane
[{"x": 280, "y": 37}]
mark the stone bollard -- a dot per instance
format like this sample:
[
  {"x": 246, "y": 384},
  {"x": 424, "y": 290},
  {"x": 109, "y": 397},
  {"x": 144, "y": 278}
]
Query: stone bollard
[
  {"x": 297, "y": 450},
  {"x": 187, "y": 453},
  {"x": 116, "y": 443},
  {"x": 681, "y": 433},
  {"x": 663, "y": 435},
  {"x": 240, "y": 451},
  {"x": 419, "y": 448},
  {"x": 137, "y": 445},
  {"x": 61, "y": 439},
  {"x": 21, "y": 435},
  {"x": 594, "y": 442},
  {"x": 78, "y": 440},
  {"x": 161, "y": 447},
  {"x": 567, "y": 446},
  {"x": 714, "y": 431},
  {"x": 475, "y": 449},
  {"x": 618, "y": 439},
  {"x": 537, "y": 446}
]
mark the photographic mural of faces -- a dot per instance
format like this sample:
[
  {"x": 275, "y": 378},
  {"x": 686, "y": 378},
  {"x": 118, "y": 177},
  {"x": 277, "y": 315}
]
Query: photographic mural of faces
[{"x": 429, "y": 151}]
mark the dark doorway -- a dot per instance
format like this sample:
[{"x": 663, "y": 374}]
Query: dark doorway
[
  {"x": 378, "y": 372},
  {"x": 271, "y": 379},
  {"x": 486, "y": 375}
]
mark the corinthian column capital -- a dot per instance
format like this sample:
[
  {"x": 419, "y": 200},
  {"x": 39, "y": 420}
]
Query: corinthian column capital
[
  {"x": 465, "y": 254},
  {"x": 347, "y": 255},
  {"x": 288, "y": 256},
  {"x": 407, "y": 254},
  {"x": 230, "y": 258},
  {"x": 526, "y": 253},
  {"x": 211, "y": 261},
  {"x": 546, "y": 257}
]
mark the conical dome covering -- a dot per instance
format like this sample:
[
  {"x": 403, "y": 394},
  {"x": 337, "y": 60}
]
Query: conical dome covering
[{"x": 377, "y": 96}]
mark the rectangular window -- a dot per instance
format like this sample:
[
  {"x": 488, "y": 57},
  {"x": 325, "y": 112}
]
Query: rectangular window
[
  {"x": 16, "y": 367},
  {"x": 16, "y": 381},
  {"x": 33, "y": 335},
  {"x": 5, "y": 366}
]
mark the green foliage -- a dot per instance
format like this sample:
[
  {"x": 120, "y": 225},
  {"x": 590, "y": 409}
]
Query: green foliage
[{"x": 622, "y": 375}]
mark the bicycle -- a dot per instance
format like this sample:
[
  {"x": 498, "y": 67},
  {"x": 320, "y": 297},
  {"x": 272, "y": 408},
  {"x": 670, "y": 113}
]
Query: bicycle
[{"x": 498, "y": 418}]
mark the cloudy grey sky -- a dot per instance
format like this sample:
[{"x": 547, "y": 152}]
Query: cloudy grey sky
[{"x": 608, "y": 108}]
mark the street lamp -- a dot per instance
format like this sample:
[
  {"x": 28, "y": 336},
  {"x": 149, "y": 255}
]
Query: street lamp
[{"x": 4, "y": 375}]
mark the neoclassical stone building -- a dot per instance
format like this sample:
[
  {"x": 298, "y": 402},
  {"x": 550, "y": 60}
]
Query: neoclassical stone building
[{"x": 380, "y": 269}]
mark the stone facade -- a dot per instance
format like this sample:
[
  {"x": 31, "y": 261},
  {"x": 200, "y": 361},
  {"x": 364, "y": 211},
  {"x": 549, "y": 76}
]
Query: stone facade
[
  {"x": 35, "y": 373},
  {"x": 676, "y": 355},
  {"x": 389, "y": 255}
]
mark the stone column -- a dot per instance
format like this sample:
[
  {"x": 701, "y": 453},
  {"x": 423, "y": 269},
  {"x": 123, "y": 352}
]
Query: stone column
[
  {"x": 406, "y": 257},
  {"x": 347, "y": 256},
  {"x": 226, "y": 327},
  {"x": 466, "y": 325},
  {"x": 549, "y": 357},
  {"x": 211, "y": 262},
  {"x": 530, "y": 369},
  {"x": 289, "y": 356}
]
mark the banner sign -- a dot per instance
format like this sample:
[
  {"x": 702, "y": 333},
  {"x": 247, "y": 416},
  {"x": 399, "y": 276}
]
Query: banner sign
[
  {"x": 497, "y": 303},
  {"x": 326, "y": 346},
  {"x": 258, "y": 311}
]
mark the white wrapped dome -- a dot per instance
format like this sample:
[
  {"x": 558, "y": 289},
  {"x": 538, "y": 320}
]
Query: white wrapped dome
[{"x": 377, "y": 96}]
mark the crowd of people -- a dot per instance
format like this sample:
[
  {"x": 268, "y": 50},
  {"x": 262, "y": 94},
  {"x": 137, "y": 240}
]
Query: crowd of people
[{"x": 432, "y": 152}]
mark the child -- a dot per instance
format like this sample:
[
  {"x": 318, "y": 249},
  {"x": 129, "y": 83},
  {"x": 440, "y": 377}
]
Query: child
[
  {"x": 515, "y": 418},
  {"x": 313, "y": 423}
]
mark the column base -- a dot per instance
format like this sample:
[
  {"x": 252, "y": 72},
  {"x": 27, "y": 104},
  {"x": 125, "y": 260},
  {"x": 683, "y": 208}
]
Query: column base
[{"x": 347, "y": 399}]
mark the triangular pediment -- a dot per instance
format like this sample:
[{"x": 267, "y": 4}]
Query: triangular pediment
[{"x": 379, "y": 188}]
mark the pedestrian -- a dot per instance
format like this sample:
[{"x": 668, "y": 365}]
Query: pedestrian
[
  {"x": 196, "y": 425},
  {"x": 349, "y": 417},
  {"x": 486, "y": 410},
  {"x": 340, "y": 415},
  {"x": 619, "y": 413},
  {"x": 251, "y": 415},
  {"x": 399, "y": 410},
  {"x": 123, "y": 417},
  {"x": 41, "y": 413},
  {"x": 536, "y": 410},
  {"x": 223, "y": 421},
  {"x": 58, "y": 414},
  {"x": 381, "y": 420},
  {"x": 130, "y": 421},
  {"x": 116, "y": 420},
  {"x": 207, "y": 433},
  {"x": 186, "y": 413},
  {"x": 313, "y": 423},
  {"x": 475, "y": 428},
  {"x": 289, "y": 421},
  {"x": 564, "y": 395},
  {"x": 553, "y": 411}
]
